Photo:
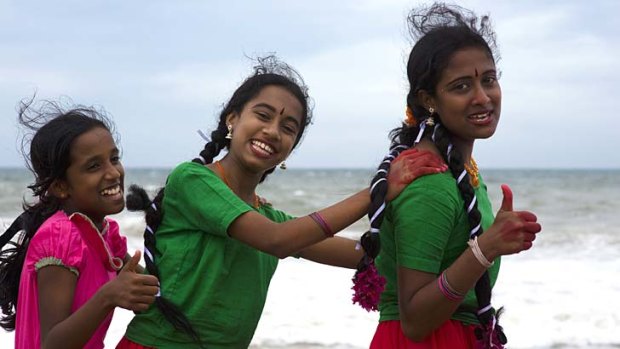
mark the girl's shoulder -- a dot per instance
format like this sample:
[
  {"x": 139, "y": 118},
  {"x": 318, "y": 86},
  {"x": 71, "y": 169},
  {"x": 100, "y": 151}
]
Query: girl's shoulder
[
  {"x": 190, "y": 169},
  {"x": 59, "y": 224},
  {"x": 430, "y": 188},
  {"x": 57, "y": 241},
  {"x": 437, "y": 182},
  {"x": 194, "y": 175}
]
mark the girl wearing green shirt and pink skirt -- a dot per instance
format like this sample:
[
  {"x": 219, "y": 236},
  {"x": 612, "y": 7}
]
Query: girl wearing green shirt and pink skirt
[
  {"x": 440, "y": 244},
  {"x": 214, "y": 245}
]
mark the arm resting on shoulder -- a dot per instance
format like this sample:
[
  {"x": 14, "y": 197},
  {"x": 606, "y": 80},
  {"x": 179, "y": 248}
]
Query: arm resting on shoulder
[{"x": 290, "y": 237}]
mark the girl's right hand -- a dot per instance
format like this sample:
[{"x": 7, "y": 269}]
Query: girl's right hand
[
  {"x": 409, "y": 165},
  {"x": 511, "y": 232},
  {"x": 132, "y": 290}
]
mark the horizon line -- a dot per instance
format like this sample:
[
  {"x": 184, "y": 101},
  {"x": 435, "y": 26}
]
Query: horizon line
[{"x": 323, "y": 168}]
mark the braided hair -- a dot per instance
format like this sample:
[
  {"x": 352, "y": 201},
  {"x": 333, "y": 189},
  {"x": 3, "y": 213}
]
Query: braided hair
[
  {"x": 268, "y": 71},
  {"x": 440, "y": 31},
  {"x": 49, "y": 130}
]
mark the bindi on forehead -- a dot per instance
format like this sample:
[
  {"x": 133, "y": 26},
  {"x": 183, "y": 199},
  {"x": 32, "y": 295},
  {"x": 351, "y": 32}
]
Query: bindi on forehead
[
  {"x": 282, "y": 111},
  {"x": 476, "y": 72}
]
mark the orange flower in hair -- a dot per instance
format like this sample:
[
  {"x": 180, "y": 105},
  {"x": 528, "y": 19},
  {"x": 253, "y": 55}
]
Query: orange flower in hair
[{"x": 410, "y": 120}]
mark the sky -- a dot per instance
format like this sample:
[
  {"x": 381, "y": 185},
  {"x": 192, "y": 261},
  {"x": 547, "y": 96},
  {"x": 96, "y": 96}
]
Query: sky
[{"x": 163, "y": 69}]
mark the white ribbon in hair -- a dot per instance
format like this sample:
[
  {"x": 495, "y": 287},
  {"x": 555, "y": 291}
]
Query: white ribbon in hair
[
  {"x": 204, "y": 136},
  {"x": 420, "y": 133}
]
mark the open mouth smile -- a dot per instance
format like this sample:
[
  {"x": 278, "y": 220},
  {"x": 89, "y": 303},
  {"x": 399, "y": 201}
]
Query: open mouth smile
[
  {"x": 112, "y": 191},
  {"x": 481, "y": 118},
  {"x": 262, "y": 147}
]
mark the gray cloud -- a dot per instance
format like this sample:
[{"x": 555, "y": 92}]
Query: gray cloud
[{"x": 162, "y": 69}]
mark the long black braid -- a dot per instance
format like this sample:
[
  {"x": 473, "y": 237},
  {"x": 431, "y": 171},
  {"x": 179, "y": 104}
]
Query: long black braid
[
  {"x": 49, "y": 131},
  {"x": 440, "y": 31},
  {"x": 441, "y": 137},
  {"x": 367, "y": 284},
  {"x": 268, "y": 71},
  {"x": 138, "y": 200}
]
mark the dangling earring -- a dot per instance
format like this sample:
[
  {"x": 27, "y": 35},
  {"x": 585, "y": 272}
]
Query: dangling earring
[
  {"x": 229, "y": 134},
  {"x": 430, "y": 121},
  {"x": 283, "y": 165}
]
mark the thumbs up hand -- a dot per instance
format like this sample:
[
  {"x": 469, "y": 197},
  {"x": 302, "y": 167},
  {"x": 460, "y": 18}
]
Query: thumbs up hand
[
  {"x": 132, "y": 264},
  {"x": 131, "y": 290},
  {"x": 507, "y": 198},
  {"x": 511, "y": 232}
]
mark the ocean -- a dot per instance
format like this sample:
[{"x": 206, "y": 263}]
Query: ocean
[{"x": 563, "y": 293}]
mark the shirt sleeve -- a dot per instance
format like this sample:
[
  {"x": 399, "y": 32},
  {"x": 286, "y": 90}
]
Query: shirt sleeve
[
  {"x": 58, "y": 244},
  {"x": 202, "y": 200},
  {"x": 424, "y": 217},
  {"x": 277, "y": 215}
]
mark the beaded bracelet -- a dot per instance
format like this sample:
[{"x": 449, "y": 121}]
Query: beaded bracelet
[
  {"x": 473, "y": 243},
  {"x": 322, "y": 223}
]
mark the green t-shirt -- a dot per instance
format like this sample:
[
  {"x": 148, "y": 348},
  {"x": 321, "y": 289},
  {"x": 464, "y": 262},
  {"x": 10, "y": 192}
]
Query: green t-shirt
[
  {"x": 426, "y": 228},
  {"x": 219, "y": 283}
]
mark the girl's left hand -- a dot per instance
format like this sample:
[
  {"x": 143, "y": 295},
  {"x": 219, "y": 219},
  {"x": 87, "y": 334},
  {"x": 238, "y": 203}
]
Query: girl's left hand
[{"x": 409, "y": 165}]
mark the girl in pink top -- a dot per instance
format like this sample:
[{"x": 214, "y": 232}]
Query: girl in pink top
[{"x": 64, "y": 275}]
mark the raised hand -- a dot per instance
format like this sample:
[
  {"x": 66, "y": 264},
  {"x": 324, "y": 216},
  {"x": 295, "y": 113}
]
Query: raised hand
[
  {"x": 131, "y": 290},
  {"x": 409, "y": 165},
  {"x": 511, "y": 232}
]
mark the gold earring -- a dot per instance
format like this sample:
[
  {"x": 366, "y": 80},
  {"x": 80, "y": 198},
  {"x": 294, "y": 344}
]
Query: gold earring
[
  {"x": 229, "y": 134},
  {"x": 283, "y": 165}
]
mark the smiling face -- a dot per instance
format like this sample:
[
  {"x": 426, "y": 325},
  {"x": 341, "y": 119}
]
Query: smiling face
[
  {"x": 94, "y": 181},
  {"x": 266, "y": 129},
  {"x": 468, "y": 96}
]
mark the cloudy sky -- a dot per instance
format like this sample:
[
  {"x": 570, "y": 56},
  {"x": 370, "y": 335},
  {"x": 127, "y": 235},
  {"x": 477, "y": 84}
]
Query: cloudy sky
[{"x": 162, "y": 70}]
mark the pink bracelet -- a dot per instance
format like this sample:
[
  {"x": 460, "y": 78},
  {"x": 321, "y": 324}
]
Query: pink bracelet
[
  {"x": 447, "y": 290},
  {"x": 322, "y": 223}
]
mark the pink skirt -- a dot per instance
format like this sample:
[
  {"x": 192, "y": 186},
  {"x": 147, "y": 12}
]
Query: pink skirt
[{"x": 451, "y": 335}]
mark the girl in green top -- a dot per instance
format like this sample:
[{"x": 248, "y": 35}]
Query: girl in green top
[
  {"x": 214, "y": 246},
  {"x": 438, "y": 292}
]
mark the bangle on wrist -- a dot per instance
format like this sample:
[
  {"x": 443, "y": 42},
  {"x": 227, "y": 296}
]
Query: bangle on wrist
[
  {"x": 327, "y": 230},
  {"x": 473, "y": 243},
  {"x": 447, "y": 290}
]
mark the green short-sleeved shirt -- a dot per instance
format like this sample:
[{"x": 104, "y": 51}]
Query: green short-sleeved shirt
[
  {"x": 219, "y": 283},
  {"x": 426, "y": 228}
]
